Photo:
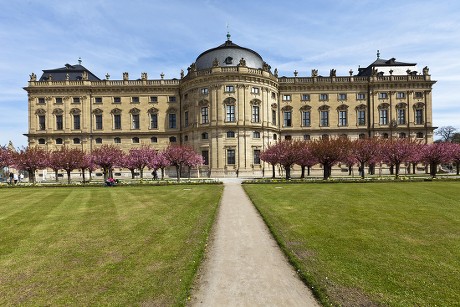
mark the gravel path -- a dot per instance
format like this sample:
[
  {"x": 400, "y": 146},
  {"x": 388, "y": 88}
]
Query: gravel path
[{"x": 244, "y": 265}]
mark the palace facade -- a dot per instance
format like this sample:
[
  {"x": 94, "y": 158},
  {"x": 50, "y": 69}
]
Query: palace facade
[{"x": 229, "y": 106}]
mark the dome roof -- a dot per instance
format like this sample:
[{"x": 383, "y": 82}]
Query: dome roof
[{"x": 228, "y": 54}]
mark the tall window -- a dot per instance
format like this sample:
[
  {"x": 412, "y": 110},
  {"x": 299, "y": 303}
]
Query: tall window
[
  {"x": 324, "y": 118},
  {"x": 59, "y": 123},
  {"x": 343, "y": 118},
  {"x": 41, "y": 122},
  {"x": 306, "y": 118},
  {"x": 135, "y": 121},
  {"x": 98, "y": 118},
  {"x": 361, "y": 117},
  {"x": 418, "y": 116},
  {"x": 273, "y": 117},
  {"x": 172, "y": 120},
  {"x": 153, "y": 120},
  {"x": 204, "y": 115},
  {"x": 401, "y": 116},
  {"x": 186, "y": 118},
  {"x": 204, "y": 91},
  {"x": 383, "y": 116},
  {"x": 256, "y": 156},
  {"x": 287, "y": 118},
  {"x": 117, "y": 121},
  {"x": 76, "y": 121},
  {"x": 230, "y": 113},
  {"x": 231, "y": 156},
  {"x": 255, "y": 114},
  {"x": 205, "y": 155}
]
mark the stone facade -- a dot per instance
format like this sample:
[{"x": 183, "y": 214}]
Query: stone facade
[{"x": 225, "y": 110}]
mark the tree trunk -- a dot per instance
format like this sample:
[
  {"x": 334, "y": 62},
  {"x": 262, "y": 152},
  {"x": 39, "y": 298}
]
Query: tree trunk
[
  {"x": 288, "y": 172},
  {"x": 83, "y": 175},
  {"x": 132, "y": 173},
  {"x": 178, "y": 172},
  {"x": 326, "y": 171},
  {"x": 56, "y": 175},
  {"x": 273, "y": 170},
  {"x": 397, "y": 169},
  {"x": 308, "y": 171},
  {"x": 31, "y": 176},
  {"x": 350, "y": 168},
  {"x": 302, "y": 175},
  {"x": 162, "y": 173},
  {"x": 414, "y": 165},
  {"x": 392, "y": 170},
  {"x": 433, "y": 167},
  {"x": 189, "y": 172},
  {"x": 361, "y": 170},
  {"x": 68, "y": 176},
  {"x": 141, "y": 172}
]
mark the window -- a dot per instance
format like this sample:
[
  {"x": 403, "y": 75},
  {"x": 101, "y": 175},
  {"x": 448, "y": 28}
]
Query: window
[
  {"x": 205, "y": 155},
  {"x": 288, "y": 137},
  {"x": 256, "y": 156},
  {"x": 418, "y": 94},
  {"x": 153, "y": 99},
  {"x": 58, "y": 100},
  {"x": 135, "y": 140},
  {"x": 305, "y": 97},
  {"x": 275, "y": 136},
  {"x": 230, "y": 113},
  {"x": 98, "y": 141},
  {"x": 324, "y": 118},
  {"x": 385, "y": 135},
  {"x": 402, "y": 135},
  {"x": 117, "y": 121},
  {"x": 76, "y": 121},
  {"x": 135, "y": 124},
  {"x": 306, "y": 137},
  {"x": 383, "y": 95},
  {"x": 204, "y": 136},
  {"x": 204, "y": 115},
  {"x": 287, "y": 118},
  {"x": 273, "y": 95},
  {"x": 172, "y": 139},
  {"x": 228, "y": 60},
  {"x": 98, "y": 100},
  {"x": 361, "y": 117},
  {"x": 186, "y": 138},
  {"x": 362, "y": 136},
  {"x": 342, "y": 96},
  {"x": 204, "y": 91},
  {"x": 153, "y": 121},
  {"x": 41, "y": 141},
  {"x": 59, "y": 141},
  {"x": 255, "y": 114},
  {"x": 76, "y": 141},
  {"x": 323, "y": 97},
  {"x": 273, "y": 117},
  {"x": 229, "y": 88},
  {"x": 59, "y": 123},
  {"x": 186, "y": 118},
  {"x": 325, "y": 137},
  {"x": 383, "y": 116},
  {"x": 306, "y": 119},
  {"x": 154, "y": 139},
  {"x": 360, "y": 96},
  {"x": 419, "y": 135},
  {"x": 343, "y": 118},
  {"x": 255, "y": 90},
  {"x": 117, "y": 140},
  {"x": 401, "y": 116},
  {"x": 400, "y": 95},
  {"x": 172, "y": 98},
  {"x": 287, "y": 97},
  {"x": 135, "y": 99},
  {"x": 419, "y": 116},
  {"x": 98, "y": 119},
  {"x": 230, "y": 134},
  {"x": 41, "y": 122},
  {"x": 256, "y": 135},
  {"x": 172, "y": 120},
  {"x": 230, "y": 156},
  {"x": 41, "y": 100},
  {"x": 76, "y": 99}
]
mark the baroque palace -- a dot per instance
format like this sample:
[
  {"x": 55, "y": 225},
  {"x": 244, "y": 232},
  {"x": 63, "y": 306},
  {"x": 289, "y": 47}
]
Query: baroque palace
[{"x": 229, "y": 106}]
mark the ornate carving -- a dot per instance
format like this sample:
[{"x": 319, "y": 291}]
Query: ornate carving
[
  {"x": 215, "y": 62},
  {"x": 324, "y": 108},
  {"x": 286, "y": 108},
  {"x": 230, "y": 101},
  {"x": 33, "y": 77},
  {"x": 125, "y": 76},
  {"x": 181, "y": 73},
  {"x": 116, "y": 111},
  {"x": 134, "y": 111},
  {"x": 275, "y": 73},
  {"x": 419, "y": 105},
  {"x": 383, "y": 106},
  {"x": 171, "y": 110},
  {"x": 401, "y": 105},
  {"x": 305, "y": 108},
  {"x": 426, "y": 71},
  {"x": 342, "y": 107},
  {"x": 97, "y": 111},
  {"x": 274, "y": 105},
  {"x": 144, "y": 76},
  {"x": 361, "y": 107},
  {"x": 203, "y": 103},
  {"x": 152, "y": 110},
  {"x": 374, "y": 72},
  {"x": 314, "y": 73},
  {"x": 84, "y": 75},
  {"x": 266, "y": 67},
  {"x": 242, "y": 62},
  {"x": 58, "y": 111},
  {"x": 255, "y": 102},
  {"x": 67, "y": 77},
  {"x": 40, "y": 112},
  {"x": 75, "y": 111},
  {"x": 332, "y": 73}
]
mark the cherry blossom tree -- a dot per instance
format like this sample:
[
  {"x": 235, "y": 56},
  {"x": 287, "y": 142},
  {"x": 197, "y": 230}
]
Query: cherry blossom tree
[
  {"x": 178, "y": 156},
  {"x": 71, "y": 159},
  {"x": 106, "y": 157},
  {"x": 435, "y": 154},
  {"x": 365, "y": 151},
  {"x": 305, "y": 157},
  {"x": 127, "y": 161},
  {"x": 5, "y": 156},
  {"x": 329, "y": 151},
  {"x": 396, "y": 151},
  {"x": 138, "y": 158},
  {"x": 455, "y": 156},
  {"x": 87, "y": 164},
  {"x": 30, "y": 159},
  {"x": 269, "y": 156},
  {"x": 55, "y": 163},
  {"x": 194, "y": 160},
  {"x": 158, "y": 161}
]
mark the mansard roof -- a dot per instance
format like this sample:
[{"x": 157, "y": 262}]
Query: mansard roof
[
  {"x": 382, "y": 63},
  {"x": 74, "y": 72}
]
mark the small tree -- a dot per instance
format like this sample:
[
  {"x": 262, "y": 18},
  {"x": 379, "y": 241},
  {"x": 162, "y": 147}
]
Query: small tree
[
  {"x": 71, "y": 159},
  {"x": 455, "y": 156},
  {"x": 5, "y": 157},
  {"x": 55, "y": 163},
  {"x": 179, "y": 156},
  {"x": 435, "y": 154},
  {"x": 305, "y": 157},
  {"x": 106, "y": 157},
  {"x": 364, "y": 151},
  {"x": 30, "y": 159},
  {"x": 87, "y": 164},
  {"x": 329, "y": 152},
  {"x": 446, "y": 133},
  {"x": 269, "y": 156},
  {"x": 397, "y": 151},
  {"x": 138, "y": 158},
  {"x": 158, "y": 161}
]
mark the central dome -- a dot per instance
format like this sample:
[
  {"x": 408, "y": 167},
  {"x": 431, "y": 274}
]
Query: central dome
[{"x": 228, "y": 54}]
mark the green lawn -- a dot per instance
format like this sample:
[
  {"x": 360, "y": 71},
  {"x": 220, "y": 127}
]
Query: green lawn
[
  {"x": 394, "y": 244},
  {"x": 103, "y": 246}
]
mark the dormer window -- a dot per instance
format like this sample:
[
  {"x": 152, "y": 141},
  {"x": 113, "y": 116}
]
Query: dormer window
[{"x": 228, "y": 60}]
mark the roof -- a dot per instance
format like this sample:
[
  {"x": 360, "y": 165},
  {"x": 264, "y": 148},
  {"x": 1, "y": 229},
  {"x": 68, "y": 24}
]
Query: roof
[
  {"x": 74, "y": 72},
  {"x": 382, "y": 63}
]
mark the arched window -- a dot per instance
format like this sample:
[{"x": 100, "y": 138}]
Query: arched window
[
  {"x": 204, "y": 136},
  {"x": 98, "y": 141},
  {"x": 383, "y": 113},
  {"x": 116, "y": 113},
  {"x": 135, "y": 118},
  {"x": 76, "y": 141},
  {"x": 154, "y": 139},
  {"x": 41, "y": 141},
  {"x": 385, "y": 135},
  {"x": 135, "y": 140},
  {"x": 362, "y": 136},
  {"x": 58, "y": 141},
  {"x": 256, "y": 135},
  {"x": 117, "y": 140},
  {"x": 153, "y": 114},
  {"x": 230, "y": 106},
  {"x": 275, "y": 136},
  {"x": 172, "y": 139}
]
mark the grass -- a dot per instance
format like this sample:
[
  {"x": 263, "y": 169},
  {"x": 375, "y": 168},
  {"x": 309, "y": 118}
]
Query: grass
[
  {"x": 103, "y": 246},
  {"x": 394, "y": 244}
]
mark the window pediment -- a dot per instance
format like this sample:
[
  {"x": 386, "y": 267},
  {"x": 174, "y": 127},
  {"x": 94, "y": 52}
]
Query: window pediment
[
  {"x": 305, "y": 108},
  {"x": 75, "y": 111},
  {"x": 255, "y": 102},
  {"x": 324, "y": 108},
  {"x": 383, "y": 106},
  {"x": 401, "y": 105},
  {"x": 134, "y": 111},
  {"x": 58, "y": 111},
  {"x": 40, "y": 112},
  {"x": 203, "y": 103},
  {"x": 230, "y": 101},
  {"x": 97, "y": 111},
  {"x": 419, "y": 105},
  {"x": 116, "y": 111},
  {"x": 342, "y": 107},
  {"x": 152, "y": 110},
  {"x": 361, "y": 107}
]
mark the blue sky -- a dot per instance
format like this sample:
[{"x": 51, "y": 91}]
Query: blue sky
[{"x": 114, "y": 36}]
